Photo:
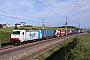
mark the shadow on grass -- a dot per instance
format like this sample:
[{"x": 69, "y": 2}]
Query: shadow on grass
[
  {"x": 60, "y": 54},
  {"x": 5, "y": 44}
]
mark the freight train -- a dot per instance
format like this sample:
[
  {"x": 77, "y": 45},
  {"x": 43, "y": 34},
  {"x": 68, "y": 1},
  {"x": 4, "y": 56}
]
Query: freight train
[{"x": 22, "y": 36}]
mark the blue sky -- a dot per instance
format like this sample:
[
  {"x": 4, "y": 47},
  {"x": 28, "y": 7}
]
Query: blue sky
[{"x": 32, "y": 12}]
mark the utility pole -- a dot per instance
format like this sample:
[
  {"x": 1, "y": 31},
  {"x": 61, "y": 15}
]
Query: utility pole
[
  {"x": 79, "y": 27},
  {"x": 43, "y": 23},
  {"x": 66, "y": 27},
  {"x": 84, "y": 27}
]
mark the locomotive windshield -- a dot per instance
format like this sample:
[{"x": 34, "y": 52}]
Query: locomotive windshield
[{"x": 16, "y": 32}]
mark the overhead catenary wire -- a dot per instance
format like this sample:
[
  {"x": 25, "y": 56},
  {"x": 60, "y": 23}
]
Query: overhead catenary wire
[
  {"x": 17, "y": 14},
  {"x": 9, "y": 20},
  {"x": 55, "y": 13},
  {"x": 13, "y": 12},
  {"x": 50, "y": 9},
  {"x": 18, "y": 18}
]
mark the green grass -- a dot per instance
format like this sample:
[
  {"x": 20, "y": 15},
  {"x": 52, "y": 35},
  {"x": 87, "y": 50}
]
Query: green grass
[
  {"x": 40, "y": 27},
  {"x": 6, "y": 29},
  {"x": 37, "y": 27},
  {"x": 82, "y": 49},
  {"x": 4, "y": 36}
]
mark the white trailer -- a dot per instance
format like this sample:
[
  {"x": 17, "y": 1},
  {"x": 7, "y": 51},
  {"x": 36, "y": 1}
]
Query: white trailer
[{"x": 18, "y": 36}]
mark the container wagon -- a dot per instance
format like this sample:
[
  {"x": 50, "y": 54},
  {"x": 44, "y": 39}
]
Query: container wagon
[
  {"x": 75, "y": 31},
  {"x": 18, "y": 36},
  {"x": 48, "y": 33},
  {"x": 57, "y": 33},
  {"x": 62, "y": 32},
  {"x": 81, "y": 31},
  {"x": 69, "y": 32}
]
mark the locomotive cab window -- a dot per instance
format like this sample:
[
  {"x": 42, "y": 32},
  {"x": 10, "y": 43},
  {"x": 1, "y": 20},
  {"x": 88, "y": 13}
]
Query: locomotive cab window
[
  {"x": 23, "y": 33},
  {"x": 16, "y": 32}
]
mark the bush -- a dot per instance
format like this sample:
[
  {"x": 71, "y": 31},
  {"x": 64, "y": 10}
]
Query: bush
[
  {"x": 4, "y": 37},
  {"x": 81, "y": 50}
]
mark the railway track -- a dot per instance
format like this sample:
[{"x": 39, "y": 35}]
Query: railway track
[
  {"x": 6, "y": 47},
  {"x": 30, "y": 51}
]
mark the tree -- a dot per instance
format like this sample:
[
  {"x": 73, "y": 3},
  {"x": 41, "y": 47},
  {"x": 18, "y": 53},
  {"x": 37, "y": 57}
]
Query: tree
[{"x": 1, "y": 26}]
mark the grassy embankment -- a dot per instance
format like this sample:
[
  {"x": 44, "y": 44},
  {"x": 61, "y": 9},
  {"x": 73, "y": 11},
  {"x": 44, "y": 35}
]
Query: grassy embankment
[
  {"x": 77, "y": 48},
  {"x": 82, "y": 49},
  {"x": 58, "y": 52}
]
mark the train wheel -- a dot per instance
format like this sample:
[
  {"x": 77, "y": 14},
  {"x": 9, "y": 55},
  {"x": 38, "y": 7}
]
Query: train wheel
[
  {"x": 16, "y": 44},
  {"x": 36, "y": 40},
  {"x": 24, "y": 42}
]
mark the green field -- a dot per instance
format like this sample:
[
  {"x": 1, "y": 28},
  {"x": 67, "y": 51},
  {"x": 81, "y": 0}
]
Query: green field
[
  {"x": 77, "y": 48},
  {"x": 36, "y": 27}
]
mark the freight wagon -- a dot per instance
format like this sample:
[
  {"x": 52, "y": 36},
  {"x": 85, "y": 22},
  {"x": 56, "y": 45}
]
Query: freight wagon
[
  {"x": 81, "y": 31},
  {"x": 62, "y": 32},
  {"x": 48, "y": 33},
  {"x": 18, "y": 36},
  {"x": 69, "y": 32},
  {"x": 75, "y": 31},
  {"x": 57, "y": 33}
]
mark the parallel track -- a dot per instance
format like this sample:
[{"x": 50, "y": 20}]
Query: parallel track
[{"x": 6, "y": 47}]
